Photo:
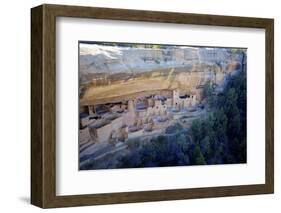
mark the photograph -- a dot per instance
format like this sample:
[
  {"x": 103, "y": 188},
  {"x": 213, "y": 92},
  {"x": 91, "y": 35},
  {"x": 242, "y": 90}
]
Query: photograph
[{"x": 155, "y": 105}]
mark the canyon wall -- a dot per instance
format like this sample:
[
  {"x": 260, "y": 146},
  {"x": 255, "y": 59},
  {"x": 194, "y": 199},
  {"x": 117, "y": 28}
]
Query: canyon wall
[{"x": 113, "y": 73}]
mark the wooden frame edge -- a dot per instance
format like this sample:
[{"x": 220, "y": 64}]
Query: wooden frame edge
[
  {"x": 269, "y": 102},
  {"x": 153, "y": 196},
  {"x": 36, "y": 106},
  {"x": 43, "y": 105}
]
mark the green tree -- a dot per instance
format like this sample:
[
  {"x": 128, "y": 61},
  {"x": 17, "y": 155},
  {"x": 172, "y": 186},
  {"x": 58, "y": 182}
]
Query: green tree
[
  {"x": 196, "y": 130},
  {"x": 220, "y": 123},
  {"x": 205, "y": 146},
  {"x": 207, "y": 93},
  {"x": 207, "y": 90},
  {"x": 198, "y": 157}
]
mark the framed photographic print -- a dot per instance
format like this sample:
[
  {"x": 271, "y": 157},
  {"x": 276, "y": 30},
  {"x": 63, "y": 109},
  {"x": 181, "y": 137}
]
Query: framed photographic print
[{"x": 136, "y": 106}]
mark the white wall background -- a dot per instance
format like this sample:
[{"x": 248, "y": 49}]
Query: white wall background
[{"x": 15, "y": 105}]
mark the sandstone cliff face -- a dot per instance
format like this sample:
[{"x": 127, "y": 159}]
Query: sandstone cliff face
[{"x": 111, "y": 73}]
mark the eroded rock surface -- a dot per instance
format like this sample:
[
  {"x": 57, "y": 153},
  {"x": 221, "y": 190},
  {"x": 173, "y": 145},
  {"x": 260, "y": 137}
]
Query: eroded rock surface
[{"x": 113, "y": 73}]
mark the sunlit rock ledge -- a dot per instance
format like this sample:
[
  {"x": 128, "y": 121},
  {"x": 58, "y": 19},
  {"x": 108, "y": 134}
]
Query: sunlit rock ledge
[{"x": 113, "y": 73}]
